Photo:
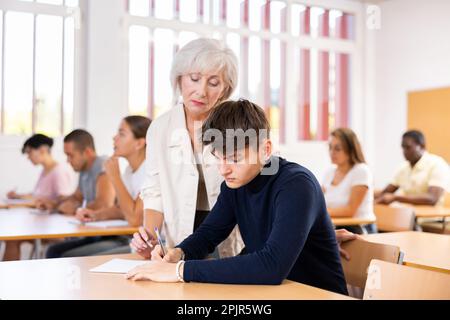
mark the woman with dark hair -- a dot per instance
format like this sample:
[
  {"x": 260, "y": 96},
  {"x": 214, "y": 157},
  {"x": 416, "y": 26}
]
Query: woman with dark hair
[
  {"x": 347, "y": 186},
  {"x": 56, "y": 179},
  {"x": 129, "y": 143}
]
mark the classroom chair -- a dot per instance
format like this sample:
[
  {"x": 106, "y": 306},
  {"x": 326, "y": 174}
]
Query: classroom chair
[
  {"x": 387, "y": 281},
  {"x": 392, "y": 219},
  {"x": 361, "y": 253}
]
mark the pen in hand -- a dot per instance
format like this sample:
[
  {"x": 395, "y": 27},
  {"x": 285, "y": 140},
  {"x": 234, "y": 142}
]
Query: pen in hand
[
  {"x": 160, "y": 241},
  {"x": 83, "y": 206}
]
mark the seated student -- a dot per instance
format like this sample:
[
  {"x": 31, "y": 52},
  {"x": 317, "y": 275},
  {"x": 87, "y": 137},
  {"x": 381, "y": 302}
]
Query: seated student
[
  {"x": 347, "y": 186},
  {"x": 94, "y": 187},
  {"x": 278, "y": 206},
  {"x": 56, "y": 180},
  {"x": 422, "y": 179},
  {"x": 129, "y": 143}
]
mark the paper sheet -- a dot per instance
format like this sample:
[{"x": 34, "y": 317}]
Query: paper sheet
[
  {"x": 101, "y": 224},
  {"x": 119, "y": 266}
]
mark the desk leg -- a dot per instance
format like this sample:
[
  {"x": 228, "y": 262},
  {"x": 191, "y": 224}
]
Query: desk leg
[{"x": 37, "y": 248}]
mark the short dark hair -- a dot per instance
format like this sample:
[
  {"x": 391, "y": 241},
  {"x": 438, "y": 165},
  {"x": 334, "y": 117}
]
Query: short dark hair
[
  {"x": 37, "y": 140},
  {"x": 138, "y": 125},
  {"x": 81, "y": 138},
  {"x": 416, "y": 135},
  {"x": 240, "y": 117}
]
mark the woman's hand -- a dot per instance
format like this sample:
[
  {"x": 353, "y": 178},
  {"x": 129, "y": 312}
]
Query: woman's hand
[
  {"x": 112, "y": 168},
  {"x": 173, "y": 255},
  {"x": 143, "y": 243},
  {"x": 158, "y": 271}
]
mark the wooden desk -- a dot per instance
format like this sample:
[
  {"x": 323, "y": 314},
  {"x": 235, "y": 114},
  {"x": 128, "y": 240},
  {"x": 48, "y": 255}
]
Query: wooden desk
[
  {"x": 422, "y": 211},
  {"x": 22, "y": 224},
  {"x": 339, "y": 222},
  {"x": 431, "y": 212},
  {"x": 421, "y": 249},
  {"x": 69, "y": 278}
]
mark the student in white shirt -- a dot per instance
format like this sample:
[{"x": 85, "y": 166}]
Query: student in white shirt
[
  {"x": 422, "y": 178},
  {"x": 129, "y": 143},
  {"x": 348, "y": 186}
]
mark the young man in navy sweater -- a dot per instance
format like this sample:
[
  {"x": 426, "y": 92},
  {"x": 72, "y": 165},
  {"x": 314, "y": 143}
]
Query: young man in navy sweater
[{"x": 278, "y": 206}]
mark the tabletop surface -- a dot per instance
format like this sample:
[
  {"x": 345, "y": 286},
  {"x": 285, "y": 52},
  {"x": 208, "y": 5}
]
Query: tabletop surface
[
  {"x": 428, "y": 250},
  {"x": 28, "y": 224},
  {"x": 69, "y": 278}
]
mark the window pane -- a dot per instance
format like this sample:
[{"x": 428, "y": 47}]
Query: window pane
[
  {"x": 313, "y": 93},
  {"x": 164, "y": 9},
  {"x": 216, "y": 11},
  {"x": 48, "y": 74},
  {"x": 69, "y": 73},
  {"x": 188, "y": 10},
  {"x": 139, "y": 7},
  {"x": 296, "y": 11},
  {"x": 71, "y": 3},
  {"x": 234, "y": 43},
  {"x": 254, "y": 69},
  {"x": 164, "y": 50},
  {"x": 58, "y": 2},
  {"x": 316, "y": 12},
  {"x": 138, "y": 69},
  {"x": 275, "y": 73},
  {"x": 18, "y": 72},
  {"x": 1, "y": 69},
  {"x": 234, "y": 13},
  {"x": 255, "y": 8},
  {"x": 275, "y": 15}
]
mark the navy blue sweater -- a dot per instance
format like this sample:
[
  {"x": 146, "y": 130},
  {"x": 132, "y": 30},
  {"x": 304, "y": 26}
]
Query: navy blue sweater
[{"x": 286, "y": 230}]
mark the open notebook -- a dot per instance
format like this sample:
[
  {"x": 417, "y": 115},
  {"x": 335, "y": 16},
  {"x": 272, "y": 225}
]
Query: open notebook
[{"x": 118, "y": 266}]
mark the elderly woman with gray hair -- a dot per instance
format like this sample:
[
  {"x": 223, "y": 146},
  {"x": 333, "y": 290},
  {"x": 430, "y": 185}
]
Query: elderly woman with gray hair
[{"x": 182, "y": 183}]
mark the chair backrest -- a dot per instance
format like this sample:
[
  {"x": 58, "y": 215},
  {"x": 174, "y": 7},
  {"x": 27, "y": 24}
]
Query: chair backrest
[
  {"x": 393, "y": 281},
  {"x": 390, "y": 218},
  {"x": 361, "y": 253}
]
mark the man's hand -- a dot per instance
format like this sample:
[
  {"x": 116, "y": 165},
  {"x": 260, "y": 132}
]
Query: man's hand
[
  {"x": 385, "y": 198},
  {"x": 85, "y": 215},
  {"x": 343, "y": 235}
]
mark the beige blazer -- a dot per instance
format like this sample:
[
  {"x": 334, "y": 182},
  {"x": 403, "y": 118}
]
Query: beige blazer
[{"x": 172, "y": 178}]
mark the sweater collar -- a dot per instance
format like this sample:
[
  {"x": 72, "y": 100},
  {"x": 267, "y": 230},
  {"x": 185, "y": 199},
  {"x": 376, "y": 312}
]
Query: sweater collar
[{"x": 258, "y": 183}]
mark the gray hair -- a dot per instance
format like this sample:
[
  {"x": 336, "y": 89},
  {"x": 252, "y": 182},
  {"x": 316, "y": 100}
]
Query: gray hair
[{"x": 204, "y": 55}]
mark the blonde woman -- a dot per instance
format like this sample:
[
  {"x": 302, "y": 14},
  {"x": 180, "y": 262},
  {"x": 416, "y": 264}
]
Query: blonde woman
[{"x": 182, "y": 183}]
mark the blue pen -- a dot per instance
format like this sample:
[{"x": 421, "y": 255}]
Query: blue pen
[{"x": 158, "y": 237}]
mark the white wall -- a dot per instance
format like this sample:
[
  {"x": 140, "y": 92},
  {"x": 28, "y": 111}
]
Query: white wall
[{"x": 412, "y": 53}]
